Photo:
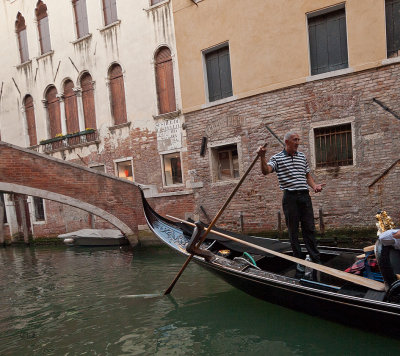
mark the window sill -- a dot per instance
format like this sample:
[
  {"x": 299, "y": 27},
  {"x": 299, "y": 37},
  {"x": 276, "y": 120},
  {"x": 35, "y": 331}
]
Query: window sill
[
  {"x": 40, "y": 222},
  {"x": 326, "y": 75},
  {"x": 25, "y": 64},
  {"x": 220, "y": 183},
  {"x": 180, "y": 185},
  {"x": 329, "y": 170},
  {"x": 82, "y": 39},
  {"x": 168, "y": 115},
  {"x": 111, "y": 25},
  {"x": 47, "y": 54},
  {"x": 154, "y": 7},
  {"x": 120, "y": 126},
  {"x": 391, "y": 60},
  {"x": 219, "y": 102}
]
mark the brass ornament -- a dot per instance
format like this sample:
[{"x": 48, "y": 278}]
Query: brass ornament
[{"x": 384, "y": 222}]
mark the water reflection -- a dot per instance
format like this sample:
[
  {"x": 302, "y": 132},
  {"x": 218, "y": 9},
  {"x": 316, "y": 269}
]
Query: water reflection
[{"x": 63, "y": 301}]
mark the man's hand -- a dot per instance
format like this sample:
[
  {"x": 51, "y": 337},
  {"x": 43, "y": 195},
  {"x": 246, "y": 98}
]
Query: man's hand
[
  {"x": 318, "y": 187},
  {"x": 262, "y": 150},
  {"x": 396, "y": 235}
]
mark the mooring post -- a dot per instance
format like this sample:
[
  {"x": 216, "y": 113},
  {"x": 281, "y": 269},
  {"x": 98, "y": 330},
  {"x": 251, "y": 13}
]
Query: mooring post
[
  {"x": 280, "y": 224},
  {"x": 2, "y": 209},
  {"x": 21, "y": 207},
  {"x": 321, "y": 222}
]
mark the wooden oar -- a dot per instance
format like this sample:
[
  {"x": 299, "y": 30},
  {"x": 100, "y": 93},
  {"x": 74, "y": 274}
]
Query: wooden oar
[
  {"x": 369, "y": 283},
  {"x": 169, "y": 289}
]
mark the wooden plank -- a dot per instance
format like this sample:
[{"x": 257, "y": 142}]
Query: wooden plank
[
  {"x": 369, "y": 248},
  {"x": 369, "y": 283}
]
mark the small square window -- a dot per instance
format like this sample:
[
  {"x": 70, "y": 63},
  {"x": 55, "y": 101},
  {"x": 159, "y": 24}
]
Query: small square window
[
  {"x": 333, "y": 146},
  {"x": 225, "y": 162},
  {"x": 124, "y": 170},
  {"x": 172, "y": 168}
]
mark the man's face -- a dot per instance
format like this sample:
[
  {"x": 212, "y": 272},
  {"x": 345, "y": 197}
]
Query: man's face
[{"x": 292, "y": 143}]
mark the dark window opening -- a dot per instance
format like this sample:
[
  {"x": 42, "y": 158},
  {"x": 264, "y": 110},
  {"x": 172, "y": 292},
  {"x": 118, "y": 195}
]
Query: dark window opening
[
  {"x": 218, "y": 74},
  {"x": 333, "y": 146},
  {"x": 39, "y": 208},
  {"x": 328, "y": 42},
  {"x": 392, "y": 9}
]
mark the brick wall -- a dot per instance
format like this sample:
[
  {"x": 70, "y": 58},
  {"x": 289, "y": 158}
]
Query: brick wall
[{"x": 347, "y": 200}]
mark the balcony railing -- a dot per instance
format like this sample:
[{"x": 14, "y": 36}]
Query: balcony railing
[{"x": 69, "y": 140}]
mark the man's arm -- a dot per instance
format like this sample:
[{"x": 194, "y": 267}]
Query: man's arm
[
  {"x": 396, "y": 235},
  {"x": 265, "y": 168},
  {"x": 310, "y": 181}
]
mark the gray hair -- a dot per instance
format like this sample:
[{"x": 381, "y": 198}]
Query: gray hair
[{"x": 288, "y": 135}]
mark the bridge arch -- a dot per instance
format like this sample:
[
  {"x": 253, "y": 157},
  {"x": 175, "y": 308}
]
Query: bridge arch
[{"x": 114, "y": 199}]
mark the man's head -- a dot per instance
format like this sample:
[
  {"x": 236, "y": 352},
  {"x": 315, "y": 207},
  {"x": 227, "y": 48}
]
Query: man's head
[{"x": 292, "y": 141}]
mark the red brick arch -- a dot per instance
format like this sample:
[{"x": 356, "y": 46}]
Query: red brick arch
[{"x": 115, "y": 200}]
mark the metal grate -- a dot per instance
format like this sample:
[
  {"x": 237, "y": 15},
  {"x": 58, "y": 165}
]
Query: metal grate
[{"x": 333, "y": 146}]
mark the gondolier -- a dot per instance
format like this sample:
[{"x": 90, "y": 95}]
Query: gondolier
[{"x": 294, "y": 178}]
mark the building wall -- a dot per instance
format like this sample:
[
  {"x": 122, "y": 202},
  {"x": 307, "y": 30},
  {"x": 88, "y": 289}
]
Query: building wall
[
  {"x": 272, "y": 84},
  {"x": 131, "y": 42},
  {"x": 268, "y": 42}
]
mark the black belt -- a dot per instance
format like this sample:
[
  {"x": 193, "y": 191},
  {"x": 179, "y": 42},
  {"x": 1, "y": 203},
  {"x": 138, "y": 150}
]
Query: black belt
[{"x": 297, "y": 192}]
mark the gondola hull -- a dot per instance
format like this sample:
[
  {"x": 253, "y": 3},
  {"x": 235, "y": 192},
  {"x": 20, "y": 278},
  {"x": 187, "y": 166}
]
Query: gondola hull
[{"x": 346, "y": 303}]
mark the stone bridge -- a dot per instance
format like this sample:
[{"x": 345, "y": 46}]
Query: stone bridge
[{"x": 115, "y": 200}]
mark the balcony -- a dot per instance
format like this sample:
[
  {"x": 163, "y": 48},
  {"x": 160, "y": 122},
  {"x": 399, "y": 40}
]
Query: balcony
[{"x": 68, "y": 141}]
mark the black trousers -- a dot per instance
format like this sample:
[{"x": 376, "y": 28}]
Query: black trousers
[{"x": 297, "y": 207}]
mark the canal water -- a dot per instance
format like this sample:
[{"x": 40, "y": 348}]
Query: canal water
[{"x": 78, "y": 301}]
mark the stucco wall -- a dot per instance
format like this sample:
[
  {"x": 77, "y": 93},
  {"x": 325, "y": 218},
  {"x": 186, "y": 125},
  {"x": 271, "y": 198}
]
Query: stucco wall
[{"x": 268, "y": 41}]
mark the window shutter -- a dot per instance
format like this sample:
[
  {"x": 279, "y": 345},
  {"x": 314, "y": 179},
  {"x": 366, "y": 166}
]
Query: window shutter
[
  {"x": 53, "y": 109},
  {"x": 225, "y": 73},
  {"x": 30, "y": 120},
  {"x": 88, "y": 101},
  {"x": 71, "y": 107},
  {"x": 118, "y": 105},
  {"x": 165, "y": 81},
  {"x": 392, "y": 27},
  {"x": 328, "y": 42},
  {"x": 214, "y": 84},
  {"x": 23, "y": 42},
  {"x": 44, "y": 33}
]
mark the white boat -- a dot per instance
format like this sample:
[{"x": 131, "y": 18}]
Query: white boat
[{"x": 94, "y": 237}]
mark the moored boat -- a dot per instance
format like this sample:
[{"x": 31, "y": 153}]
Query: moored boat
[
  {"x": 272, "y": 278},
  {"x": 94, "y": 237}
]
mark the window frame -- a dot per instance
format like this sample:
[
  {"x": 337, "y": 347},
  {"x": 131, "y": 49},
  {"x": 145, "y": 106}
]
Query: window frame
[
  {"x": 22, "y": 38},
  {"x": 3, "y": 199},
  {"x": 120, "y": 160},
  {"x": 35, "y": 210},
  {"x": 213, "y": 148},
  {"x": 41, "y": 15},
  {"x": 320, "y": 13},
  {"x": 113, "y": 14},
  {"x": 30, "y": 120},
  {"x": 332, "y": 123},
  {"x": 164, "y": 180},
  {"x": 112, "y": 81},
  {"x": 205, "y": 53}
]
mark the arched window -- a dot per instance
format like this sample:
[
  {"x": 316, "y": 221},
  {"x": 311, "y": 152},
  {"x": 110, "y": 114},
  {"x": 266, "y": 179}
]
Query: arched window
[
  {"x": 117, "y": 91},
  {"x": 165, "y": 81},
  {"x": 43, "y": 27},
  {"x": 110, "y": 11},
  {"x": 53, "y": 109},
  {"x": 89, "y": 111},
  {"x": 71, "y": 107},
  {"x": 30, "y": 120},
  {"x": 20, "y": 28},
  {"x": 81, "y": 18}
]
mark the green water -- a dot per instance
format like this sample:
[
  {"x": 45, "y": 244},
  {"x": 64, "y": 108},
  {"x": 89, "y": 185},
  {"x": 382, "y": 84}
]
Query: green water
[{"x": 70, "y": 301}]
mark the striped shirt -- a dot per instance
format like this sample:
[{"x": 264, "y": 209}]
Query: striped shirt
[{"x": 291, "y": 170}]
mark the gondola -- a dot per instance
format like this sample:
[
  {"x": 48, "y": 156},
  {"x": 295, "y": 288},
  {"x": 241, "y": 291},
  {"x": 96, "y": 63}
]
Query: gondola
[{"x": 274, "y": 279}]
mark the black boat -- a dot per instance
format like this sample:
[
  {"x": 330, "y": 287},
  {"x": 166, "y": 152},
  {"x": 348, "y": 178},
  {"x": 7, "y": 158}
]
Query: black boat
[{"x": 273, "y": 279}]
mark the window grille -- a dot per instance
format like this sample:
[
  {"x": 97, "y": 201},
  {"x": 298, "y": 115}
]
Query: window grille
[{"x": 333, "y": 146}]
